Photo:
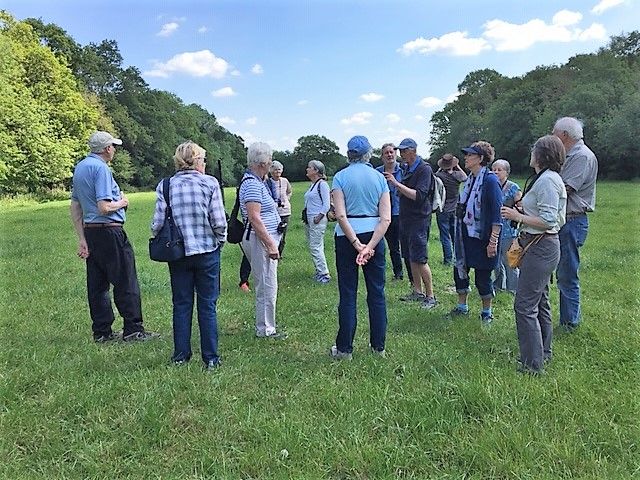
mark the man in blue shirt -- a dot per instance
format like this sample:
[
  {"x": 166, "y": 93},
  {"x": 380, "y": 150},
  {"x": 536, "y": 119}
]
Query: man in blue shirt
[
  {"x": 415, "y": 220},
  {"x": 98, "y": 214}
]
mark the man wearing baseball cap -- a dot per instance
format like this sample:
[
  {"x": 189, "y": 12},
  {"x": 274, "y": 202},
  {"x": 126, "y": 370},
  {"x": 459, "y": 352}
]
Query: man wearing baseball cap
[
  {"x": 415, "y": 220},
  {"x": 98, "y": 214}
]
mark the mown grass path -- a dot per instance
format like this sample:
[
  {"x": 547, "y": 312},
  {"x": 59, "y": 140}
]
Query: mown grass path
[{"x": 446, "y": 402}]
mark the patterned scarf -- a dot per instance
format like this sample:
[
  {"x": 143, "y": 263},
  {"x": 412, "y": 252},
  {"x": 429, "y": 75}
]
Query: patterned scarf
[{"x": 471, "y": 195}]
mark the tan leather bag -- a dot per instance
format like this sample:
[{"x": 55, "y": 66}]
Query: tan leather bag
[{"x": 516, "y": 252}]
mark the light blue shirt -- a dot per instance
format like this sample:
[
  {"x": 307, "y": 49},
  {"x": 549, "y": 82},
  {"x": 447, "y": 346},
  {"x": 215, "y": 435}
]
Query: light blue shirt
[
  {"x": 547, "y": 199},
  {"x": 92, "y": 182},
  {"x": 393, "y": 191},
  {"x": 317, "y": 199},
  {"x": 362, "y": 186}
]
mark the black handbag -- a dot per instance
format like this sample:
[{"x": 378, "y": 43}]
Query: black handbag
[
  {"x": 168, "y": 244},
  {"x": 235, "y": 227}
]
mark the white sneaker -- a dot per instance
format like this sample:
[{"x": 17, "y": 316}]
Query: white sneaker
[{"x": 338, "y": 355}]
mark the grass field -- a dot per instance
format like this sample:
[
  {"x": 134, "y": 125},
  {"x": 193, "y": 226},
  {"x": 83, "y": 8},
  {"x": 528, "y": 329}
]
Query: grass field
[{"x": 445, "y": 403}]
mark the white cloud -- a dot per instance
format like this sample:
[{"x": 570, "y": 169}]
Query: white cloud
[
  {"x": 196, "y": 64},
  {"x": 235, "y": 72},
  {"x": 419, "y": 118},
  {"x": 251, "y": 121},
  {"x": 605, "y": 5},
  {"x": 303, "y": 102},
  {"x": 224, "y": 92},
  {"x": 371, "y": 97},
  {"x": 452, "y": 98},
  {"x": 226, "y": 121},
  {"x": 167, "y": 29},
  {"x": 393, "y": 118},
  {"x": 429, "y": 102},
  {"x": 203, "y": 29},
  {"x": 507, "y": 36},
  {"x": 361, "y": 118},
  {"x": 257, "y": 69},
  {"x": 453, "y": 43}
]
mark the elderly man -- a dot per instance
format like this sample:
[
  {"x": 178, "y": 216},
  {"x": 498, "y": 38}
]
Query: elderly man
[
  {"x": 415, "y": 220},
  {"x": 579, "y": 174},
  {"x": 98, "y": 214}
]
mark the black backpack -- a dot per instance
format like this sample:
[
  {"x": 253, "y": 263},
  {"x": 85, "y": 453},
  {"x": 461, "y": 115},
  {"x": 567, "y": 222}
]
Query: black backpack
[{"x": 235, "y": 227}]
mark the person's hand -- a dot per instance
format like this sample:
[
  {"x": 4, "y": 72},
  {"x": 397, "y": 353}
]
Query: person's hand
[
  {"x": 364, "y": 255},
  {"x": 390, "y": 178},
  {"x": 83, "y": 249},
  {"x": 124, "y": 201},
  {"x": 272, "y": 251},
  {"x": 492, "y": 250},
  {"x": 509, "y": 213},
  {"x": 317, "y": 218}
]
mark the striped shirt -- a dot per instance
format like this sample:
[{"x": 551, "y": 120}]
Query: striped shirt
[
  {"x": 196, "y": 203},
  {"x": 254, "y": 190}
]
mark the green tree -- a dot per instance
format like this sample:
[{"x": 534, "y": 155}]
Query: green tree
[{"x": 315, "y": 147}]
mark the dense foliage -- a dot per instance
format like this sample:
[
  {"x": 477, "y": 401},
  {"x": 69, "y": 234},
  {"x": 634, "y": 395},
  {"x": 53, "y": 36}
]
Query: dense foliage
[
  {"x": 602, "y": 89},
  {"x": 54, "y": 92}
]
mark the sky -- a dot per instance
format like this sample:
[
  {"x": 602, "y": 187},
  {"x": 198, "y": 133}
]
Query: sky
[{"x": 276, "y": 70}]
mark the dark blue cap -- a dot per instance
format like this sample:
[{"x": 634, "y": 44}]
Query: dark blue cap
[
  {"x": 473, "y": 150},
  {"x": 358, "y": 146},
  {"x": 407, "y": 143}
]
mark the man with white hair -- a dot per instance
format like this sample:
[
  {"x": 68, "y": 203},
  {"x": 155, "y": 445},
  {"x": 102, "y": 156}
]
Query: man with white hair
[
  {"x": 579, "y": 174},
  {"x": 98, "y": 214}
]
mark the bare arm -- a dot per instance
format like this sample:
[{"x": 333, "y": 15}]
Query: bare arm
[
  {"x": 403, "y": 190},
  {"x": 459, "y": 174},
  {"x": 76, "y": 218},
  {"x": 253, "y": 214},
  {"x": 106, "y": 207}
]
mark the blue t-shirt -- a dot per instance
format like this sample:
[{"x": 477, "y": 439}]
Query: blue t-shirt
[
  {"x": 93, "y": 181},
  {"x": 393, "y": 191},
  {"x": 362, "y": 187},
  {"x": 255, "y": 190}
]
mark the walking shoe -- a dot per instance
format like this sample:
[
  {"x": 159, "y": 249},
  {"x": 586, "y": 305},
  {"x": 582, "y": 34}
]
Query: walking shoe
[
  {"x": 379, "y": 353},
  {"x": 112, "y": 337},
  {"x": 428, "y": 303},
  {"x": 413, "y": 297},
  {"x": 244, "y": 286},
  {"x": 212, "y": 365},
  {"x": 456, "y": 312},
  {"x": 338, "y": 355},
  {"x": 179, "y": 362},
  {"x": 142, "y": 336},
  {"x": 486, "y": 318},
  {"x": 323, "y": 278},
  {"x": 274, "y": 335}
]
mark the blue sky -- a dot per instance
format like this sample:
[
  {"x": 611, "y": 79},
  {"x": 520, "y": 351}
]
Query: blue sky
[{"x": 277, "y": 70}]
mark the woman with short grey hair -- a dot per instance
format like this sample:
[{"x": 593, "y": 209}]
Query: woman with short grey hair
[
  {"x": 317, "y": 203},
  {"x": 506, "y": 278},
  {"x": 261, "y": 237},
  {"x": 282, "y": 188}
]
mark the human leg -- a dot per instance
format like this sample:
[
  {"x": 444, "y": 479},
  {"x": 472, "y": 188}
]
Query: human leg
[
  {"x": 182, "y": 277},
  {"x": 207, "y": 286},
  {"x": 316, "y": 246},
  {"x": 442, "y": 219},
  {"x": 375, "y": 279},
  {"x": 266, "y": 285},
  {"x": 572, "y": 236},
  {"x": 347, "y": 271},
  {"x": 392, "y": 236}
]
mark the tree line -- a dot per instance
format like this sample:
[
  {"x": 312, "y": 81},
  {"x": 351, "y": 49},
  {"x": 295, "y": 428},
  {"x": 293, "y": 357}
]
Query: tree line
[{"x": 54, "y": 92}]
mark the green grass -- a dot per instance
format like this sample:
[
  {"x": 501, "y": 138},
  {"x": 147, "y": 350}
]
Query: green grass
[{"x": 445, "y": 403}]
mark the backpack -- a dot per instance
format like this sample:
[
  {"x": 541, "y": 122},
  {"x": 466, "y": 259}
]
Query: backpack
[
  {"x": 437, "y": 193},
  {"x": 235, "y": 227}
]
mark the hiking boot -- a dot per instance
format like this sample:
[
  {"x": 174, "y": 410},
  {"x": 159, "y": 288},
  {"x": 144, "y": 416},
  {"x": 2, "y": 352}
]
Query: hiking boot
[
  {"x": 486, "y": 318},
  {"x": 413, "y": 297},
  {"x": 112, "y": 337},
  {"x": 244, "y": 286},
  {"x": 212, "y": 365},
  {"x": 379, "y": 353},
  {"x": 458, "y": 312},
  {"x": 142, "y": 336},
  {"x": 323, "y": 279},
  {"x": 338, "y": 355},
  {"x": 428, "y": 303}
]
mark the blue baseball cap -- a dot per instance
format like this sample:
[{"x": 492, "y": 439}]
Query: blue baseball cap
[
  {"x": 473, "y": 150},
  {"x": 358, "y": 146},
  {"x": 407, "y": 143}
]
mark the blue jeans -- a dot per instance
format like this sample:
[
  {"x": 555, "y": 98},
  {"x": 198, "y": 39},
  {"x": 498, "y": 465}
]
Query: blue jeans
[
  {"x": 572, "y": 236},
  {"x": 348, "y": 288},
  {"x": 447, "y": 227},
  {"x": 199, "y": 274},
  {"x": 506, "y": 278}
]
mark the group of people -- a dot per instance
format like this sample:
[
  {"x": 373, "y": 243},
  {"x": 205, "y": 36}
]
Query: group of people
[{"x": 394, "y": 201}]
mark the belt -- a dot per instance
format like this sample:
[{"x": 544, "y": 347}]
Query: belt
[
  {"x": 103, "y": 225},
  {"x": 575, "y": 214}
]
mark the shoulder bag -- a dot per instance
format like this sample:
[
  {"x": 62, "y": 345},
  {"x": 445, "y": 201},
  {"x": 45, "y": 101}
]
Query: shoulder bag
[{"x": 168, "y": 244}]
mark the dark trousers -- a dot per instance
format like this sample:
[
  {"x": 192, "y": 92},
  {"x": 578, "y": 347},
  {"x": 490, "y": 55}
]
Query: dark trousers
[
  {"x": 111, "y": 261},
  {"x": 447, "y": 229},
  {"x": 245, "y": 269},
  {"x": 348, "y": 289},
  {"x": 281, "y": 245},
  {"x": 392, "y": 236},
  {"x": 199, "y": 274}
]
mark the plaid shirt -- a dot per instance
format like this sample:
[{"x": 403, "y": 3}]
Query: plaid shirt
[{"x": 197, "y": 210}]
